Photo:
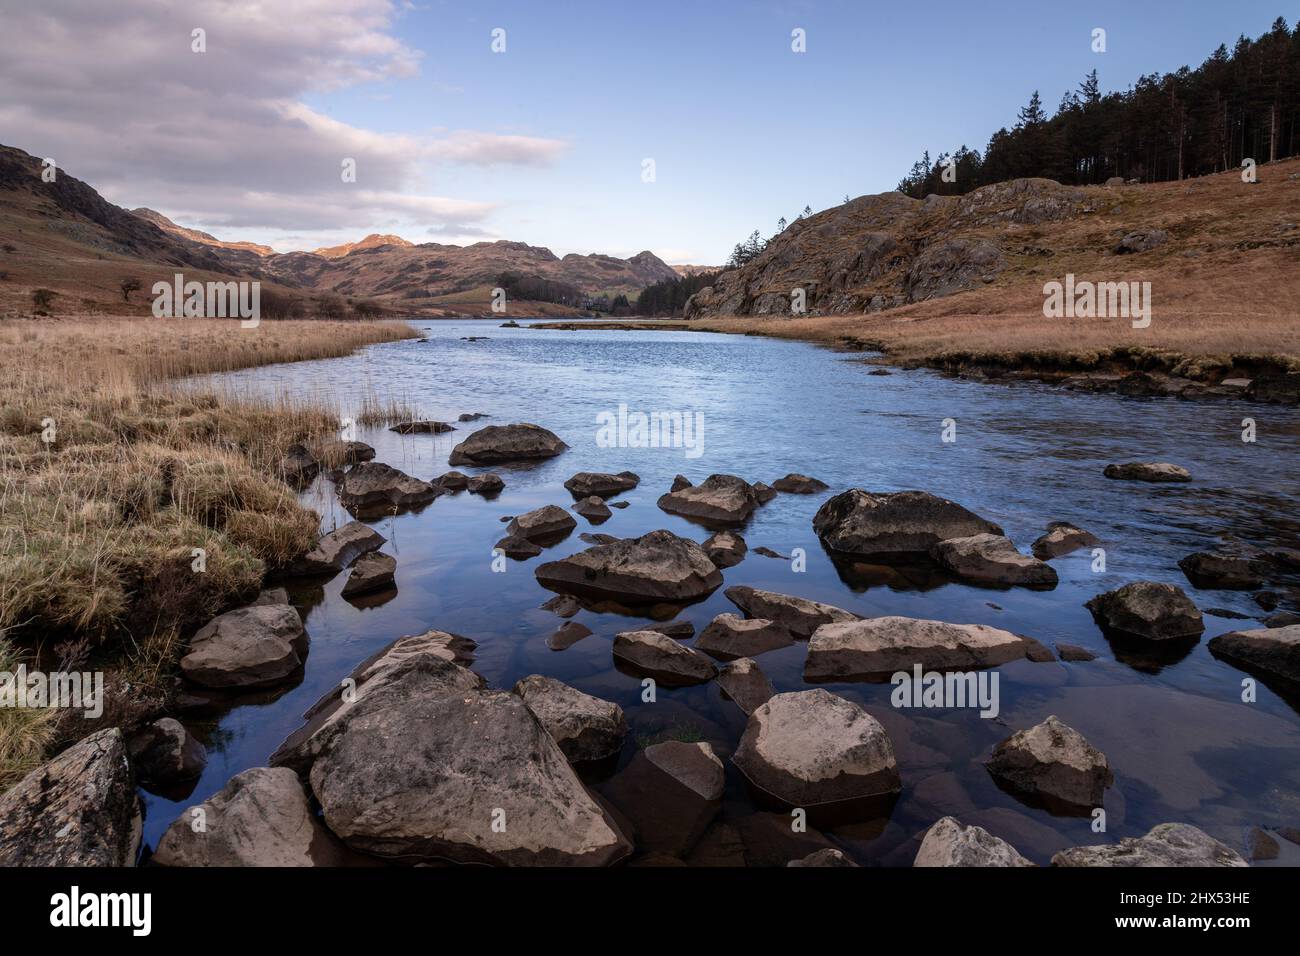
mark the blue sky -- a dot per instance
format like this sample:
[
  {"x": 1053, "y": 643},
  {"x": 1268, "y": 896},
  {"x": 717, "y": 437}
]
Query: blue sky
[{"x": 742, "y": 130}]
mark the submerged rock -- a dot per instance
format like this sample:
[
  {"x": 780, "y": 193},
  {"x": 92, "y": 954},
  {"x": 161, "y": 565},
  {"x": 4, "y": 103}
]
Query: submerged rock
[
  {"x": 722, "y": 499},
  {"x": 812, "y": 747},
  {"x": 730, "y": 636},
  {"x": 1274, "y": 651},
  {"x": 656, "y": 655},
  {"x": 585, "y": 484},
  {"x": 260, "y": 818},
  {"x": 656, "y": 567},
  {"x": 992, "y": 559},
  {"x": 1054, "y": 762},
  {"x": 585, "y": 727},
  {"x": 372, "y": 572},
  {"x": 257, "y": 646},
  {"x": 1062, "y": 538},
  {"x": 373, "y": 487},
  {"x": 1157, "y": 471},
  {"x": 879, "y": 646},
  {"x": 1167, "y": 844},
  {"x": 77, "y": 809},
  {"x": 1149, "y": 610},
  {"x": 745, "y": 683},
  {"x": 495, "y": 444},
  {"x": 567, "y": 634},
  {"x": 796, "y": 484},
  {"x": 670, "y": 793},
  {"x": 949, "y": 843},
  {"x": 726, "y": 549},
  {"x": 1211, "y": 570},
  {"x": 338, "y": 549},
  {"x": 857, "y": 522},
  {"x": 426, "y": 426},
  {"x": 799, "y": 615}
]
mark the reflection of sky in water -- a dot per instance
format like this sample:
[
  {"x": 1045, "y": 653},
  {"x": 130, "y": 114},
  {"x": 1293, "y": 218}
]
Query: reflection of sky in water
[{"x": 1025, "y": 455}]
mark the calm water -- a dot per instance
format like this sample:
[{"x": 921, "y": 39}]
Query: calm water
[{"x": 1182, "y": 745}]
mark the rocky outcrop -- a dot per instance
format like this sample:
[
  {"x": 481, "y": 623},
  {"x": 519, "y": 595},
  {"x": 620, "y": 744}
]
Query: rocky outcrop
[
  {"x": 1272, "y": 651},
  {"x": 949, "y": 843},
  {"x": 373, "y": 488},
  {"x": 726, "y": 549},
  {"x": 1062, "y": 538},
  {"x": 260, "y": 818},
  {"x": 545, "y": 525},
  {"x": 164, "y": 753},
  {"x": 858, "y": 522},
  {"x": 1053, "y": 762},
  {"x": 652, "y": 654},
  {"x": 1141, "y": 241},
  {"x": 954, "y": 265},
  {"x": 796, "y": 484},
  {"x": 1149, "y": 610},
  {"x": 730, "y": 636},
  {"x": 338, "y": 549},
  {"x": 1212, "y": 570},
  {"x": 78, "y": 809},
  {"x": 1167, "y": 844},
  {"x": 880, "y": 646},
  {"x": 585, "y": 727},
  {"x": 1154, "y": 471},
  {"x": 496, "y": 444},
  {"x": 745, "y": 683},
  {"x": 257, "y": 646},
  {"x": 656, "y": 567},
  {"x": 992, "y": 559},
  {"x": 587, "y": 483},
  {"x": 718, "y": 499},
  {"x": 372, "y": 572},
  {"x": 799, "y": 616},
  {"x": 812, "y": 747}
]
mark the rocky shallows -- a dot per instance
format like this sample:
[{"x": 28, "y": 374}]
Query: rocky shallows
[
  {"x": 992, "y": 560},
  {"x": 880, "y": 646},
  {"x": 864, "y": 523},
  {"x": 798, "y": 615},
  {"x": 718, "y": 499},
  {"x": 656, "y": 655},
  {"x": 372, "y": 488},
  {"x": 656, "y": 567}
]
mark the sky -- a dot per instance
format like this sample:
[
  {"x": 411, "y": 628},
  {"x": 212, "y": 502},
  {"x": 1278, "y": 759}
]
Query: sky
[{"x": 610, "y": 127}]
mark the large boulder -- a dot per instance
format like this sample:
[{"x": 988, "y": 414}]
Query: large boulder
[
  {"x": 164, "y": 753},
  {"x": 798, "y": 615},
  {"x": 1148, "y": 610},
  {"x": 471, "y": 777},
  {"x": 880, "y": 646},
  {"x": 338, "y": 549},
  {"x": 992, "y": 559},
  {"x": 260, "y": 818},
  {"x": 1167, "y": 844},
  {"x": 503, "y": 443},
  {"x": 949, "y": 843},
  {"x": 811, "y": 747},
  {"x": 585, "y": 727},
  {"x": 588, "y": 483},
  {"x": 78, "y": 809},
  {"x": 257, "y": 646},
  {"x": 657, "y": 655},
  {"x": 1229, "y": 572},
  {"x": 375, "y": 488},
  {"x": 1055, "y": 763},
  {"x": 656, "y": 567},
  {"x": 546, "y": 524},
  {"x": 729, "y": 636},
  {"x": 1273, "y": 651},
  {"x": 858, "y": 522},
  {"x": 1156, "y": 471},
  {"x": 718, "y": 499},
  {"x": 1062, "y": 538}
]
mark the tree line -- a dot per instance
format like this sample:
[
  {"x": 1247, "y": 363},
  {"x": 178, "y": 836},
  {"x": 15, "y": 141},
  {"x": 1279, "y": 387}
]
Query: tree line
[
  {"x": 668, "y": 296},
  {"x": 1240, "y": 104}
]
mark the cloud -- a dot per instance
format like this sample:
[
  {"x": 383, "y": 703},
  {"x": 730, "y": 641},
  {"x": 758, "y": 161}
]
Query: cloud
[{"x": 114, "y": 93}]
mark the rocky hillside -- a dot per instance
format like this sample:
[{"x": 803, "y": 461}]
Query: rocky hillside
[{"x": 194, "y": 235}]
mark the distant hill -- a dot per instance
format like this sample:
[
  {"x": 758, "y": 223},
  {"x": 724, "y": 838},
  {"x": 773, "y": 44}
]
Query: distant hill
[{"x": 194, "y": 235}]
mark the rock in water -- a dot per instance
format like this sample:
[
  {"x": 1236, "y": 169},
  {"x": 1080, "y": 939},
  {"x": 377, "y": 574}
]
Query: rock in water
[
  {"x": 593, "y": 509},
  {"x": 799, "y": 615},
  {"x": 670, "y": 792},
  {"x": 763, "y": 492},
  {"x": 824, "y": 858},
  {"x": 746, "y": 684},
  {"x": 1157, "y": 471},
  {"x": 338, "y": 549},
  {"x": 372, "y": 572},
  {"x": 992, "y": 559},
  {"x": 719, "y": 499},
  {"x": 260, "y": 818},
  {"x": 726, "y": 549},
  {"x": 453, "y": 480},
  {"x": 164, "y": 753},
  {"x": 487, "y": 484},
  {"x": 544, "y": 525},
  {"x": 730, "y": 636},
  {"x": 858, "y": 522},
  {"x": 517, "y": 548},
  {"x": 78, "y": 809},
  {"x": 795, "y": 484},
  {"x": 1148, "y": 610},
  {"x": 1273, "y": 651},
  {"x": 812, "y": 747},
  {"x": 298, "y": 467},
  {"x": 880, "y": 646},
  {"x": 258, "y": 646},
  {"x": 375, "y": 488},
  {"x": 1053, "y": 761},
  {"x": 585, "y": 727},
  {"x": 425, "y": 426},
  {"x": 1208, "y": 570},
  {"x": 948, "y": 843},
  {"x": 503, "y": 443},
  {"x": 657, "y": 655},
  {"x": 1062, "y": 538},
  {"x": 656, "y": 567},
  {"x": 679, "y": 482},
  {"x": 470, "y": 777},
  {"x": 1167, "y": 844},
  {"x": 587, "y": 483}
]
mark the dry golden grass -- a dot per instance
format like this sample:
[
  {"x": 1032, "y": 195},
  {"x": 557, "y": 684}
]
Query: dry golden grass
[{"x": 98, "y": 527}]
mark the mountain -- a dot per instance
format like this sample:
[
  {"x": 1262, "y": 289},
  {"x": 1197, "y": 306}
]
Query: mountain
[
  {"x": 194, "y": 235},
  {"x": 372, "y": 241}
]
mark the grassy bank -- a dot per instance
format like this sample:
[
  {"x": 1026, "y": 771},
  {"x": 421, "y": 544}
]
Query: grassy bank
[{"x": 99, "y": 526}]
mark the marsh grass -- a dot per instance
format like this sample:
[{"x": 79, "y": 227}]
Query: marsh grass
[{"x": 100, "y": 526}]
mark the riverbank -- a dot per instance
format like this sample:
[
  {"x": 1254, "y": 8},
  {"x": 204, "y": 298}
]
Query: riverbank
[{"x": 111, "y": 478}]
